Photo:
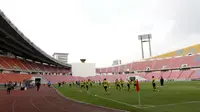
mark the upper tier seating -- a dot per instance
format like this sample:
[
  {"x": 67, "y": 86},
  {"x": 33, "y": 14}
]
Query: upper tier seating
[
  {"x": 159, "y": 63},
  {"x": 137, "y": 66},
  {"x": 156, "y": 64},
  {"x": 19, "y": 64}
]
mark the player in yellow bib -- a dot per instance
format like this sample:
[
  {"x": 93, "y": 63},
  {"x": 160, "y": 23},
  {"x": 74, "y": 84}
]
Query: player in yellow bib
[
  {"x": 70, "y": 84},
  {"x": 105, "y": 85},
  {"x": 90, "y": 82},
  {"x": 117, "y": 84},
  {"x": 154, "y": 84},
  {"x": 128, "y": 85},
  {"x": 122, "y": 83},
  {"x": 82, "y": 84},
  {"x": 87, "y": 84}
]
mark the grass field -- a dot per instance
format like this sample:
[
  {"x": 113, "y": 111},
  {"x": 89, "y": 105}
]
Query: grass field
[{"x": 174, "y": 97}]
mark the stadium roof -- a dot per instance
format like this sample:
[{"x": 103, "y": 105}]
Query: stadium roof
[
  {"x": 60, "y": 54},
  {"x": 12, "y": 40}
]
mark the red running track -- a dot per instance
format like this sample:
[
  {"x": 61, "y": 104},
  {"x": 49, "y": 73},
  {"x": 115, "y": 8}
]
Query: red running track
[{"x": 45, "y": 100}]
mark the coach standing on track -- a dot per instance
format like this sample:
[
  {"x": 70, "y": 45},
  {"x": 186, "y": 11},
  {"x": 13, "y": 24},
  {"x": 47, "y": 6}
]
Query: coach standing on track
[
  {"x": 9, "y": 86},
  {"x": 38, "y": 86},
  {"x": 49, "y": 84}
]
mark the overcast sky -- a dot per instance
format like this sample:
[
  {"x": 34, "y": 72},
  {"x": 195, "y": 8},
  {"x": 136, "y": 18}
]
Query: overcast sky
[{"x": 104, "y": 30}]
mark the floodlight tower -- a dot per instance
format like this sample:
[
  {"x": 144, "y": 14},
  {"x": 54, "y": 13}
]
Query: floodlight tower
[{"x": 145, "y": 38}]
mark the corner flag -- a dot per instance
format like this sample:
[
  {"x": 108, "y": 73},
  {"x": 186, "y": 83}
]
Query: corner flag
[
  {"x": 137, "y": 86},
  {"x": 138, "y": 91}
]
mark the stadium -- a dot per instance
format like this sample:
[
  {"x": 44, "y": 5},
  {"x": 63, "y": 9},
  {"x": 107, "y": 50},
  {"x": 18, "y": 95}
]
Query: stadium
[{"x": 22, "y": 61}]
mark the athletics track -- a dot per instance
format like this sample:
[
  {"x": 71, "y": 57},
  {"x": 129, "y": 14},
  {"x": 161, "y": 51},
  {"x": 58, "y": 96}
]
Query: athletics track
[{"x": 45, "y": 100}]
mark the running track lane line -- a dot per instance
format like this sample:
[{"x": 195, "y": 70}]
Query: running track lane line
[
  {"x": 13, "y": 106},
  {"x": 54, "y": 104},
  {"x": 34, "y": 105}
]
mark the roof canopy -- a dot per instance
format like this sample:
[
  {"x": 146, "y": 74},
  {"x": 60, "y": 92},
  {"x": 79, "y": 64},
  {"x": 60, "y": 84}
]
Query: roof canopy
[{"x": 12, "y": 40}]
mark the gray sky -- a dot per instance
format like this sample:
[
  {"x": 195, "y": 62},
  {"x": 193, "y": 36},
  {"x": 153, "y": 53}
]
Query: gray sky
[{"x": 104, "y": 30}]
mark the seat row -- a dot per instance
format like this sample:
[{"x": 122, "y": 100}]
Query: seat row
[
  {"x": 5, "y": 78},
  {"x": 19, "y": 64},
  {"x": 169, "y": 75},
  {"x": 155, "y": 64},
  {"x": 55, "y": 79}
]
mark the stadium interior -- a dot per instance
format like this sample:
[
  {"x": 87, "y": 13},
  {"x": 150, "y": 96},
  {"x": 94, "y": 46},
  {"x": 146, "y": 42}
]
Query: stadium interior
[
  {"x": 19, "y": 56},
  {"x": 20, "y": 60}
]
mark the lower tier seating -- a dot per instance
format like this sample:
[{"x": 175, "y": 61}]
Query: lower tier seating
[{"x": 169, "y": 75}]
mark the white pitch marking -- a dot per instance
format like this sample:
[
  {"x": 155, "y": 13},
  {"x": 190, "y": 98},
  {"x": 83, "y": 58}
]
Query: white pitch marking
[
  {"x": 173, "y": 104},
  {"x": 144, "y": 106},
  {"x": 135, "y": 106}
]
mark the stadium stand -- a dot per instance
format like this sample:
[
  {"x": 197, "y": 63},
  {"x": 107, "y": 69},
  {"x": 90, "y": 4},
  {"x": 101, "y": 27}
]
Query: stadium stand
[
  {"x": 166, "y": 75},
  {"x": 171, "y": 68},
  {"x": 185, "y": 74},
  {"x": 4, "y": 78},
  {"x": 156, "y": 64},
  {"x": 181, "y": 52},
  {"x": 195, "y": 75},
  {"x": 21, "y": 59}
]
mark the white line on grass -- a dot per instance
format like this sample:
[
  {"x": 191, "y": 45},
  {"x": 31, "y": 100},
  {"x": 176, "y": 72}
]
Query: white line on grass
[
  {"x": 143, "y": 106},
  {"x": 127, "y": 104},
  {"x": 67, "y": 98},
  {"x": 174, "y": 104}
]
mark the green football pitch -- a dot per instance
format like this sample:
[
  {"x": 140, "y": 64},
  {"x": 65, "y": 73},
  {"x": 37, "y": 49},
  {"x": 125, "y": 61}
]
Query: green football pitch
[{"x": 174, "y": 97}]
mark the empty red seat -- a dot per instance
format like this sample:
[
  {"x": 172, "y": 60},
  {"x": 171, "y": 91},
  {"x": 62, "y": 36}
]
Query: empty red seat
[
  {"x": 116, "y": 69},
  {"x": 196, "y": 61},
  {"x": 103, "y": 70},
  {"x": 109, "y": 70},
  {"x": 195, "y": 75},
  {"x": 97, "y": 70},
  {"x": 156, "y": 75},
  {"x": 174, "y": 75},
  {"x": 140, "y": 74},
  {"x": 122, "y": 68},
  {"x": 137, "y": 66},
  {"x": 5, "y": 64},
  {"x": 27, "y": 64},
  {"x": 159, "y": 63},
  {"x": 166, "y": 75},
  {"x": 4, "y": 78},
  {"x": 189, "y": 60},
  {"x": 185, "y": 74}
]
